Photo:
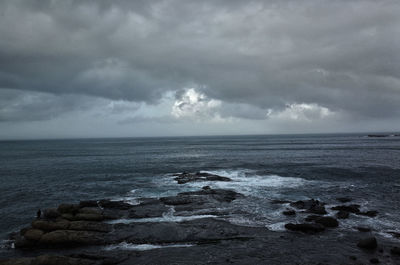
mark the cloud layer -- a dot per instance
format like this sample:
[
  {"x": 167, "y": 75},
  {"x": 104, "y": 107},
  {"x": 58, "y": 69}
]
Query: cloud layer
[{"x": 233, "y": 61}]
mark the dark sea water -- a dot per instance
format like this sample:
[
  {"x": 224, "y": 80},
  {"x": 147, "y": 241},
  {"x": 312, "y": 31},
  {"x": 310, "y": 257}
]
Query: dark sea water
[{"x": 42, "y": 174}]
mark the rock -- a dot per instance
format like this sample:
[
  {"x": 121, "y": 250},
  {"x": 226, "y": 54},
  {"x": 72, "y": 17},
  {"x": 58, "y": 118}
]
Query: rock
[
  {"x": 120, "y": 205},
  {"x": 71, "y": 238},
  {"x": 342, "y": 215},
  {"x": 206, "y": 188},
  {"x": 68, "y": 216},
  {"x": 88, "y": 217},
  {"x": 368, "y": 243},
  {"x": 48, "y": 260},
  {"x": 311, "y": 206},
  {"x": 363, "y": 229},
  {"x": 51, "y": 213},
  {"x": 369, "y": 213},
  {"x": 67, "y": 208},
  {"x": 353, "y": 208},
  {"x": 33, "y": 234},
  {"x": 306, "y": 228},
  {"x": 344, "y": 199},
  {"x": 90, "y": 210},
  {"x": 289, "y": 212},
  {"x": 50, "y": 225},
  {"x": 90, "y": 226},
  {"x": 83, "y": 204},
  {"x": 395, "y": 251},
  {"x": 190, "y": 177},
  {"x": 327, "y": 221},
  {"x": 374, "y": 260}
]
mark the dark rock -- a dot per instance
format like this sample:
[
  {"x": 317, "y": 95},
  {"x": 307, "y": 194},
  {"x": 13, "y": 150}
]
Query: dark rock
[
  {"x": 353, "y": 257},
  {"x": 88, "y": 204},
  {"x": 190, "y": 177},
  {"x": 206, "y": 188},
  {"x": 325, "y": 221},
  {"x": 90, "y": 210},
  {"x": 72, "y": 238},
  {"x": 89, "y": 217},
  {"x": 50, "y": 225},
  {"x": 311, "y": 206},
  {"x": 68, "y": 208},
  {"x": 374, "y": 260},
  {"x": 33, "y": 234},
  {"x": 289, "y": 212},
  {"x": 120, "y": 205},
  {"x": 148, "y": 210},
  {"x": 368, "y": 243},
  {"x": 363, "y": 229},
  {"x": 51, "y": 213},
  {"x": 369, "y": 213},
  {"x": 48, "y": 260},
  {"x": 343, "y": 199},
  {"x": 342, "y": 215},
  {"x": 395, "y": 251},
  {"x": 352, "y": 208},
  {"x": 90, "y": 226},
  {"x": 306, "y": 228}
]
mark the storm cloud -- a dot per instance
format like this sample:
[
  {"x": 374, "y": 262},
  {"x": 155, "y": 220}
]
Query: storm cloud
[{"x": 269, "y": 62}]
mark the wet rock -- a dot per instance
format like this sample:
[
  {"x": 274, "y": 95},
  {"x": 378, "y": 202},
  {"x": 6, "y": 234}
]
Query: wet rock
[
  {"x": 51, "y": 213},
  {"x": 374, "y": 261},
  {"x": 71, "y": 238},
  {"x": 395, "y": 251},
  {"x": 325, "y": 221},
  {"x": 121, "y": 205},
  {"x": 342, "y": 215},
  {"x": 289, "y": 212},
  {"x": 344, "y": 199},
  {"x": 89, "y": 217},
  {"x": 190, "y": 177},
  {"x": 83, "y": 204},
  {"x": 48, "y": 260},
  {"x": 50, "y": 225},
  {"x": 206, "y": 188},
  {"x": 363, "y": 229},
  {"x": 90, "y": 210},
  {"x": 33, "y": 234},
  {"x": 311, "y": 206},
  {"x": 305, "y": 228},
  {"x": 369, "y": 213},
  {"x": 352, "y": 208},
  {"x": 90, "y": 226},
  {"x": 68, "y": 216},
  {"x": 148, "y": 210},
  {"x": 68, "y": 208},
  {"x": 368, "y": 243}
]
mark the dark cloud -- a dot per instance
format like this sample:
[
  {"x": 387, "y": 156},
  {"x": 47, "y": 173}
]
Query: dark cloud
[{"x": 252, "y": 56}]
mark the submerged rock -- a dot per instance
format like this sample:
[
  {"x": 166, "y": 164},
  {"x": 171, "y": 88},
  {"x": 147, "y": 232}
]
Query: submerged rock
[
  {"x": 343, "y": 199},
  {"x": 323, "y": 220},
  {"x": 289, "y": 212}
]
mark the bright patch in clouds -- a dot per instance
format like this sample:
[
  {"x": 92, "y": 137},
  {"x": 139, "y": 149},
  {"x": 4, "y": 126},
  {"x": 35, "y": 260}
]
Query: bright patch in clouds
[
  {"x": 301, "y": 112},
  {"x": 194, "y": 104}
]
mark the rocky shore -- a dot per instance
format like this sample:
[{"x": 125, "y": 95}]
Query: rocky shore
[{"x": 195, "y": 228}]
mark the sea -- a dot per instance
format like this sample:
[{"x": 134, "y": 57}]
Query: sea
[{"x": 39, "y": 174}]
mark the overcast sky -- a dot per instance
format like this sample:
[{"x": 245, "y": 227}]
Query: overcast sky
[{"x": 187, "y": 67}]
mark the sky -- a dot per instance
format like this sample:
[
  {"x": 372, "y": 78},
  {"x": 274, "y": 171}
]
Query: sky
[{"x": 97, "y": 68}]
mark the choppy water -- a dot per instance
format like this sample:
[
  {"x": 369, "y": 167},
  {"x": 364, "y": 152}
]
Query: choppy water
[{"x": 41, "y": 174}]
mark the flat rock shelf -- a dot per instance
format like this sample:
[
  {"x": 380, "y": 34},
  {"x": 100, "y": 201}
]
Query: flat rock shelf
[{"x": 195, "y": 228}]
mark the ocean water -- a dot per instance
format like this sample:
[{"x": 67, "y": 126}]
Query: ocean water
[{"x": 40, "y": 174}]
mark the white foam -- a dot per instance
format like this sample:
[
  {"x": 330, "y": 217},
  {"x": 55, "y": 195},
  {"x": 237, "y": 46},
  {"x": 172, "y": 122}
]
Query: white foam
[
  {"x": 175, "y": 219},
  {"x": 142, "y": 247},
  {"x": 280, "y": 226}
]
